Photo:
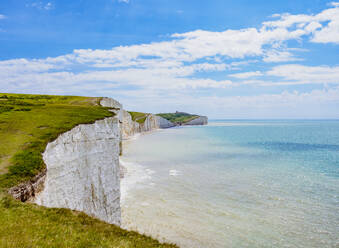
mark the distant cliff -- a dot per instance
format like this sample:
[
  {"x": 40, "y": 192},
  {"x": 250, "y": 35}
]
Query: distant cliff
[
  {"x": 200, "y": 120},
  {"x": 145, "y": 123},
  {"x": 182, "y": 118}
]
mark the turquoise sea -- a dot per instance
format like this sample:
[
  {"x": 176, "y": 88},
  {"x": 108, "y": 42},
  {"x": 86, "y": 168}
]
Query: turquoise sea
[{"x": 235, "y": 183}]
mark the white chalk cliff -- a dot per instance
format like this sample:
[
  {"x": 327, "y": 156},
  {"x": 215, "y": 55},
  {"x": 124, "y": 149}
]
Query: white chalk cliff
[
  {"x": 83, "y": 171},
  {"x": 201, "y": 120},
  {"x": 152, "y": 122}
]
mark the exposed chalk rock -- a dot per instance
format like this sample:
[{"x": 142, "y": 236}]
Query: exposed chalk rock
[
  {"x": 201, "y": 120},
  {"x": 163, "y": 123},
  {"x": 110, "y": 102},
  {"x": 27, "y": 190},
  {"x": 83, "y": 171},
  {"x": 152, "y": 122},
  {"x": 116, "y": 107},
  {"x": 129, "y": 127}
]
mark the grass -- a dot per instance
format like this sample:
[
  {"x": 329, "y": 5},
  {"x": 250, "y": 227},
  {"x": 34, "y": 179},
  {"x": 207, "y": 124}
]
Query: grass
[
  {"x": 178, "y": 117},
  {"x": 27, "y": 225},
  {"x": 138, "y": 116},
  {"x": 27, "y": 124}
]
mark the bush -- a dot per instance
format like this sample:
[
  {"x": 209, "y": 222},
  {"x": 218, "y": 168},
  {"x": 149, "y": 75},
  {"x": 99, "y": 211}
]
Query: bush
[{"x": 5, "y": 109}]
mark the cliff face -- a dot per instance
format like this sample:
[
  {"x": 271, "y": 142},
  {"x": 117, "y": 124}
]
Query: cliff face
[
  {"x": 163, "y": 123},
  {"x": 83, "y": 171},
  {"x": 82, "y": 165},
  {"x": 152, "y": 122},
  {"x": 129, "y": 127},
  {"x": 201, "y": 120}
]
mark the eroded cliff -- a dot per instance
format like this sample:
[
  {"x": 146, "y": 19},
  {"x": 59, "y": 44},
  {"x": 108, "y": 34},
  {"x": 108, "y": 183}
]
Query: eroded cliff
[
  {"x": 82, "y": 165},
  {"x": 83, "y": 171},
  {"x": 201, "y": 120},
  {"x": 151, "y": 122}
]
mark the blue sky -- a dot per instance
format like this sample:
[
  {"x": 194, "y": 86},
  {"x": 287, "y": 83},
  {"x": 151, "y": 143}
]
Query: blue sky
[{"x": 224, "y": 59}]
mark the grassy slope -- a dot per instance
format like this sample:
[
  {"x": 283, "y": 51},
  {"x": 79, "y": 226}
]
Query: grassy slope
[
  {"x": 27, "y": 124},
  {"x": 178, "y": 117},
  {"x": 138, "y": 116}
]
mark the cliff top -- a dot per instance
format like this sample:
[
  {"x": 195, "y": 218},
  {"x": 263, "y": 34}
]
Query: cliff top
[
  {"x": 178, "y": 117},
  {"x": 27, "y": 124},
  {"x": 138, "y": 116}
]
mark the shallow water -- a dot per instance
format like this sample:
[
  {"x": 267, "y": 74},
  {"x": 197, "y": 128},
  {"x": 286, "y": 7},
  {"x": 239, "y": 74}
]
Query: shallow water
[{"x": 235, "y": 184}]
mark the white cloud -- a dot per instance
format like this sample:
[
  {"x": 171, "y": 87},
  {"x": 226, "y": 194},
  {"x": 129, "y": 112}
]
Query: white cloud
[
  {"x": 175, "y": 69},
  {"x": 329, "y": 33},
  {"x": 2, "y": 16},
  {"x": 288, "y": 104},
  {"x": 335, "y": 4},
  {"x": 307, "y": 24},
  {"x": 41, "y": 5},
  {"x": 48, "y": 6},
  {"x": 307, "y": 74},
  {"x": 279, "y": 56},
  {"x": 247, "y": 74},
  {"x": 123, "y": 1}
]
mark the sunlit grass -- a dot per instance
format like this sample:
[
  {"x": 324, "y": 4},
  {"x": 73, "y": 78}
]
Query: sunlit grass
[
  {"x": 138, "y": 116},
  {"x": 178, "y": 117},
  {"x": 28, "y": 225}
]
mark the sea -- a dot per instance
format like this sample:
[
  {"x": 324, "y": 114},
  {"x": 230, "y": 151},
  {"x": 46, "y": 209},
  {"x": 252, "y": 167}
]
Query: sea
[{"x": 235, "y": 183}]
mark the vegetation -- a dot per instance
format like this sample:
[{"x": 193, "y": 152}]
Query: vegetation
[
  {"x": 27, "y": 124},
  {"x": 28, "y": 225},
  {"x": 138, "y": 116},
  {"x": 178, "y": 117}
]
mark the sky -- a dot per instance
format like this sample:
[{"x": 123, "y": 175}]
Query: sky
[{"x": 243, "y": 59}]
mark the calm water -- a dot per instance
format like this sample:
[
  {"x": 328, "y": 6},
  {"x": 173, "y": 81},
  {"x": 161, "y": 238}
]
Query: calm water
[{"x": 236, "y": 184}]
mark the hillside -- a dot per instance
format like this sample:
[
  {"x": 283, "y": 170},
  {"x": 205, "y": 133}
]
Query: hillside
[
  {"x": 138, "y": 116},
  {"x": 178, "y": 118},
  {"x": 27, "y": 124}
]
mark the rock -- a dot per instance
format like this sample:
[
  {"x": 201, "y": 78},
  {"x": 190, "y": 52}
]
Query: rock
[
  {"x": 129, "y": 127},
  {"x": 152, "y": 122},
  {"x": 25, "y": 191},
  {"x": 163, "y": 123},
  {"x": 110, "y": 103},
  {"x": 201, "y": 120},
  {"x": 83, "y": 171}
]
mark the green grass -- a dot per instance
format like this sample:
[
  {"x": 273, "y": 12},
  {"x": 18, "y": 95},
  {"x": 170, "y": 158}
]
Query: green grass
[
  {"x": 178, "y": 117},
  {"x": 138, "y": 116},
  {"x": 27, "y": 225},
  {"x": 27, "y": 124}
]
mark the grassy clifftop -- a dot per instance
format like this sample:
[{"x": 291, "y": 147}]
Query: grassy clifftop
[
  {"x": 178, "y": 117},
  {"x": 138, "y": 116},
  {"x": 27, "y": 124}
]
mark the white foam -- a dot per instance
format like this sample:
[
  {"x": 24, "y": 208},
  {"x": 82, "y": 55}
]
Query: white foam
[
  {"x": 174, "y": 173},
  {"x": 149, "y": 171},
  {"x": 135, "y": 173},
  {"x": 134, "y": 137}
]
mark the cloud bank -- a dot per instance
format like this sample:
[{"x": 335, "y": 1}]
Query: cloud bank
[{"x": 200, "y": 64}]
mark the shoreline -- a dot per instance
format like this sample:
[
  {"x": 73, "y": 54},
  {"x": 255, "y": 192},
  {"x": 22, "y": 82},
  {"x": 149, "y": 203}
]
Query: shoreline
[{"x": 131, "y": 173}]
